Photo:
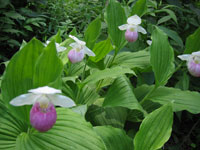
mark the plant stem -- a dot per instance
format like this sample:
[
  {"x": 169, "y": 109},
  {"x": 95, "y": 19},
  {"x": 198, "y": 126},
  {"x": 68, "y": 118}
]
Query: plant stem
[
  {"x": 83, "y": 73},
  {"x": 106, "y": 66},
  {"x": 148, "y": 94}
]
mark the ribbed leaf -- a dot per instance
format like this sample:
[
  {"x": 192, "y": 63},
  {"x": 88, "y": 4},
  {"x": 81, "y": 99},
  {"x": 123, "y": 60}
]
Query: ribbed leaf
[
  {"x": 155, "y": 129},
  {"x": 192, "y": 42},
  {"x": 114, "y": 138},
  {"x": 114, "y": 116},
  {"x": 19, "y": 74},
  {"x": 121, "y": 94},
  {"x": 140, "y": 59},
  {"x": 101, "y": 49},
  {"x": 139, "y": 8},
  {"x": 173, "y": 35},
  {"x": 48, "y": 67},
  {"x": 115, "y": 16},
  {"x": 92, "y": 32},
  {"x": 71, "y": 132},
  {"x": 106, "y": 73},
  {"x": 182, "y": 100},
  {"x": 162, "y": 57}
]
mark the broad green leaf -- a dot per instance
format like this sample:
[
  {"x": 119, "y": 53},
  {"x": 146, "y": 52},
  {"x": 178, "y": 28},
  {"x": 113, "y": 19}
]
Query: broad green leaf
[
  {"x": 92, "y": 32},
  {"x": 121, "y": 94},
  {"x": 115, "y": 16},
  {"x": 155, "y": 129},
  {"x": 57, "y": 37},
  {"x": 140, "y": 59},
  {"x": 184, "y": 82},
  {"x": 192, "y": 42},
  {"x": 114, "y": 138},
  {"x": 173, "y": 35},
  {"x": 18, "y": 76},
  {"x": 139, "y": 8},
  {"x": 162, "y": 57},
  {"x": 163, "y": 19},
  {"x": 106, "y": 73},
  {"x": 48, "y": 67},
  {"x": 85, "y": 95},
  {"x": 101, "y": 49},
  {"x": 182, "y": 100},
  {"x": 14, "y": 15},
  {"x": 114, "y": 116},
  {"x": 70, "y": 132}
]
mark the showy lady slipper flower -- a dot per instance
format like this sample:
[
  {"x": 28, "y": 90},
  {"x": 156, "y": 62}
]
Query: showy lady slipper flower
[
  {"x": 79, "y": 50},
  {"x": 132, "y": 28},
  {"x": 43, "y": 113},
  {"x": 58, "y": 47},
  {"x": 193, "y": 63}
]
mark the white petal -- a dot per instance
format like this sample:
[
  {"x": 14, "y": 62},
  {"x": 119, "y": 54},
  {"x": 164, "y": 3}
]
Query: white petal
[
  {"x": 60, "y": 100},
  {"x": 135, "y": 20},
  {"x": 141, "y": 29},
  {"x": 60, "y": 48},
  {"x": 77, "y": 40},
  {"x": 196, "y": 53},
  {"x": 184, "y": 57},
  {"x": 88, "y": 51},
  {"x": 123, "y": 27},
  {"x": 149, "y": 42},
  {"x": 45, "y": 90},
  {"x": 24, "y": 99}
]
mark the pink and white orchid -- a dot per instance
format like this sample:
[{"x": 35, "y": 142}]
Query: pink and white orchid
[
  {"x": 193, "y": 63},
  {"x": 79, "y": 50},
  {"x": 132, "y": 28},
  {"x": 43, "y": 113}
]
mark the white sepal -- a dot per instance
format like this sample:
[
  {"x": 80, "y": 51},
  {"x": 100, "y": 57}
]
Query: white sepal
[
  {"x": 123, "y": 27},
  {"x": 60, "y": 100},
  {"x": 24, "y": 99},
  {"x": 60, "y": 48},
  {"x": 134, "y": 20},
  {"x": 44, "y": 90},
  {"x": 196, "y": 54},
  {"x": 149, "y": 42}
]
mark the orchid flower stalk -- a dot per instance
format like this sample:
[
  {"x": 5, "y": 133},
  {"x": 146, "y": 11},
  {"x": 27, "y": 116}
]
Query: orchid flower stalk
[
  {"x": 132, "y": 28},
  {"x": 43, "y": 113},
  {"x": 193, "y": 63},
  {"x": 79, "y": 50}
]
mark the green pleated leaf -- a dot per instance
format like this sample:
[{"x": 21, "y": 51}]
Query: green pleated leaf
[
  {"x": 182, "y": 100},
  {"x": 57, "y": 38},
  {"x": 101, "y": 49},
  {"x": 139, "y": 8},
  {"x": 115, "y": 16},
  {"x": 18, "y": 76},
  {"x": 140, "y": 59},
  {"x": 121, "y": 94},
  {"x": 173, "y": 35},
  {"x": 106, "y": 73},
  {"x": 92, "y": 32},
  {"x": 162, "y": 57},
  {"x": 114, "y": 116},
  {"x": 155, "y": 129},
  {"x": 71, "y": 132},
  {"x": 48, "y": 67},
  {"x": 192, "y": 42},
  {"x": 114, "y": 138}
]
